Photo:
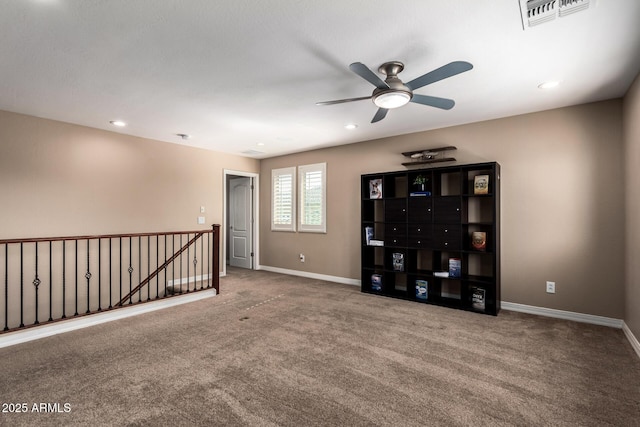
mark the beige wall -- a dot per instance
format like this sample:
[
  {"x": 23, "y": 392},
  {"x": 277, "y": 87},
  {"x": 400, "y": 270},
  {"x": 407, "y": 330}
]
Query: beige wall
[
  {"x": 562, "y": 203},
  {"x": 631, "y": 121},
  {"x": 562, "y": 195},
  {"x": 58, "y": 179}
]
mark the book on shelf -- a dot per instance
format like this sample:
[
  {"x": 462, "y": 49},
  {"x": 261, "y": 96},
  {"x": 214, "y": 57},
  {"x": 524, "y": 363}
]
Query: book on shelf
[
  {"x": 368, "y": 235},
  {"x": 478, "y": 298},
  {"x": 374, "y": 242},
  {"x": 419, "y": 193},
  {"x": 441, "y": 274},
  {"x": 481, "y": 184},
  {"x": 422, "y": 290},
  {"x": 375, "y": 188},
  {"x": 455, "y": 267},
  {"x": 376, "y": 282},
  {"x": 479, "y": 240},
  {"x": 397, "y": 261}
]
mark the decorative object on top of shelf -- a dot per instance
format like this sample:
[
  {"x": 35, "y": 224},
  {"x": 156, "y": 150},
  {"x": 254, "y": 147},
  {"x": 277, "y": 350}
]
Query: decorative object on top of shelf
[
  {"x": 375, "y": 189},
  {"x": 481, "y": 184},
  {"x": 429, "y": 155}
]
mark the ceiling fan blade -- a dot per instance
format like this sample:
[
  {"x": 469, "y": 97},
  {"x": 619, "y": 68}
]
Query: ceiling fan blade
[
  {"x": 382, "y": 112},
  {"x": 438, "y": 74},
  {"x": 342, "y": 101},
  {"x": 433, "y": 101},
  {"x": 364, "y": 72}
]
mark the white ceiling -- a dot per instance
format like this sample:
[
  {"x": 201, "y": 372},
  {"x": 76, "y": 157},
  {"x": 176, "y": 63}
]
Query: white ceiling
[{"x": 235, "y": 74}]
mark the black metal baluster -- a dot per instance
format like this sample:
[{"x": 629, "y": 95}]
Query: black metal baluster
[
  {"x": 188, "y": 256},
  {"x": 50, "y": 281},
  {"x": 181, "y": 263},
  {"x": 6, "y": 287},
  {"x": 202, "y": 264},
  {"x": 195, "y": 263},
  {"x": 36, "y": 284},
  {"x": 165, "y": 264},
  {"x": 110, "y": 276},
  {"x": 173, "y": 263},
  {"x": 21, "y": 287},
  {"x": 88, "y": 277},
  {"x": 209, "y": 259},
  {"x": 99, "y": 274},
  {"x": 157, "y": 265},
  {"x": 148, "y": 267},
  {"x": 64, "y": 279},
  {"x": 139, "y": 267},
  {"x": 76, "y": 313}
]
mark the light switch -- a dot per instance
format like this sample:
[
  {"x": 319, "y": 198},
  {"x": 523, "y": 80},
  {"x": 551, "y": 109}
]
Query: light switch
[
  {"x": 200, "y": 220},
  {"x": 201, "y": 209}
]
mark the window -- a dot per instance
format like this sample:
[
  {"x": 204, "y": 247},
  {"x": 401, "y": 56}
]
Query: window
[
  {"x": 283, "y": 199},
  {"x": 312, "y": 184}
]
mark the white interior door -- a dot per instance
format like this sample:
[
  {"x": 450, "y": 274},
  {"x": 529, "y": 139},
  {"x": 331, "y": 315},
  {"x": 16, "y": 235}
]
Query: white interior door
[{"x": 240, "y": 223}]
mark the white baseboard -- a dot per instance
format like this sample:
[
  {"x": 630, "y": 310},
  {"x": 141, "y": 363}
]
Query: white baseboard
[
  {"x": 72, "y": 324},
  {"x": 632, "y": 339},
  {"x": 561, "y": 314},
  {"x": 191, "y": 279},
  {"x": 336, "y": 279}
]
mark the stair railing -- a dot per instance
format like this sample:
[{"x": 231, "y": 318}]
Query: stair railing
[{"x": 62, "y": 277}]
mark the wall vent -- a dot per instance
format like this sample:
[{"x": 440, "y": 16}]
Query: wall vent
[{"x": 536, "y": 12}]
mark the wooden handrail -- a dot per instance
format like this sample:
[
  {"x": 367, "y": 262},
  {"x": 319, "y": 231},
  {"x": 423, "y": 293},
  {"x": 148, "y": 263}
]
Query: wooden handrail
[{"x": 100, "y": 236}]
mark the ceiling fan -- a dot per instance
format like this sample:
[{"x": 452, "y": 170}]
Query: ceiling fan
[{"x": 392, "y": 93}]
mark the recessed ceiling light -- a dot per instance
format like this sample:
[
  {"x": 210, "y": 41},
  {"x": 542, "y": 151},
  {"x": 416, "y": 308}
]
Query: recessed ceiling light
[
  {"x": 350, "y": 126},
  {"x": 118, "y": 123},
  {"x": 260, "y": 144},
  {"x": 548, "y": 85}
]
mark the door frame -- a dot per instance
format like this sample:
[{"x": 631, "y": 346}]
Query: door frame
[{"x": 255, "y": 214}]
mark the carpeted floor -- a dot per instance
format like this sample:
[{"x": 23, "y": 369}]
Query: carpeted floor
[{"x": 279, "y": 350}]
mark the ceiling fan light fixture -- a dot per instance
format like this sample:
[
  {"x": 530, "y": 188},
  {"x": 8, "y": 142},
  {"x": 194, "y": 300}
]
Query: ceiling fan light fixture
[{"x": 391, "y": 99}]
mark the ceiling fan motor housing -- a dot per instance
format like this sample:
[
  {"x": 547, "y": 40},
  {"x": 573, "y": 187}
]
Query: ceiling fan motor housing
[{"x": 397, "y": 94}]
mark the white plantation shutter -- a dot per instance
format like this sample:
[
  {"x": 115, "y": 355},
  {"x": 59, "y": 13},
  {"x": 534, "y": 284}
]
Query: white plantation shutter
[
  {"x": 312, "y": 184},
  {"x": 283, "y": 185}
]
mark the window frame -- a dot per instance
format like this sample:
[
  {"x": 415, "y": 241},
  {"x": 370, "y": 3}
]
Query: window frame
[
  {"x": 275, "y": 175},
  {"x": 303, "y": 170}
]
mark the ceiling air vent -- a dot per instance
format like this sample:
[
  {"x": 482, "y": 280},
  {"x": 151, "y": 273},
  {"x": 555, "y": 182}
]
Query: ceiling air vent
[
  {"x": 252, "y": 152},
  {"x": 536, "y": 12}
]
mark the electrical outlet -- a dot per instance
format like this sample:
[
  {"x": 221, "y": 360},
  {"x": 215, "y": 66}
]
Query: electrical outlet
[
  {"x": 551, "y": 287},
  {"x": 301, "y": 257}
]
